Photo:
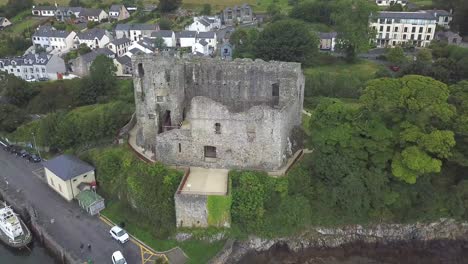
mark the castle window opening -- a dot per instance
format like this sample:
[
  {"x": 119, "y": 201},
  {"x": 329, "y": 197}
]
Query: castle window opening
[
  {"x": 180, "y": 148},
  {"x": 218, "y": 128},
  {"x": 141, "y": 71},
  {"x": 210, "y": 152}
]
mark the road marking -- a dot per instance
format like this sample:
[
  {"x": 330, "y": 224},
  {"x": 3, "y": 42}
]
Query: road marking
[{"x": 145, "y": 250}]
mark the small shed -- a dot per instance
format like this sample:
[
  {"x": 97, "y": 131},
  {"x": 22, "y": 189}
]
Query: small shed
[{"x": 90, "y": 201}]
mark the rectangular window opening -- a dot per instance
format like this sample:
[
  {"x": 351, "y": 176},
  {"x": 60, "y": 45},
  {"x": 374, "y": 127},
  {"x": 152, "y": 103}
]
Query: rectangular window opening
[
  {"x": 210, "y": 152},
  {"x": 218, "y": 128}
]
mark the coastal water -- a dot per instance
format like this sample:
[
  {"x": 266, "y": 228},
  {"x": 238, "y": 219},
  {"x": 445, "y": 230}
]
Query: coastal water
[
  {"x": 412, "y": 252},
  {"x": 36, "y": 255}
]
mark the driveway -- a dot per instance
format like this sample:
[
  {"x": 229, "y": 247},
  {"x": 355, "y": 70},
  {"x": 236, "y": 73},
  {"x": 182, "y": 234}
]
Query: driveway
[{"x": 66, "y": 222}]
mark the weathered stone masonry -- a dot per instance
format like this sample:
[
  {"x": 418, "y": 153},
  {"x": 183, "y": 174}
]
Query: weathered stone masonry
[{"x": 212, "y": 113}]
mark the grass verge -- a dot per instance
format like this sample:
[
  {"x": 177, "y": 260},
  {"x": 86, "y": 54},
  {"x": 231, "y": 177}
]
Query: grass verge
[{"x": 197, "y": 251}]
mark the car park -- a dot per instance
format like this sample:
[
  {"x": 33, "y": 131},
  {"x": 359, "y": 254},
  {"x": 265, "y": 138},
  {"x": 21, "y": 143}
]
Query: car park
[
  {"x": 118, "y": 258},
  {"x": 119, "y": 234}
]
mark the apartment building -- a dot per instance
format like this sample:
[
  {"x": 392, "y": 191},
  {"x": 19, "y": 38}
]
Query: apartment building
[
  {"x": 399, "y": 28},
  {"x": 34, "y": 66}
]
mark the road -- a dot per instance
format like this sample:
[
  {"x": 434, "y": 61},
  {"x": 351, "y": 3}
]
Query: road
[{"x": 65, "y": 221}]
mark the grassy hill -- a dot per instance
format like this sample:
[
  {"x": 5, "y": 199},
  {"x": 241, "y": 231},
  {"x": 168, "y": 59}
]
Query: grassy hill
[{"x": 258, "y": 5}]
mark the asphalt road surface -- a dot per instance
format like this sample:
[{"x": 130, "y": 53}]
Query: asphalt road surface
[{"x": 65, "y": 221}]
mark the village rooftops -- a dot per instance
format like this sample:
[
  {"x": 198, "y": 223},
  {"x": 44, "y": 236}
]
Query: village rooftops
[
  {"x": 127, "y": 27},
  {"x": 91, "y": 56},
  {"x": 438, "y": 12},
  {"x": 87, "y": 12},
  {"x": 92, "y": 34},
  {"x": 44, "y": 8},
  {"x": 162, "y": 34},
  {"x": 28, "y": 59},
  {"x": 115, "y": 8},
  {"x": 206, "y": 35},
  {"x": 187, "y": 34},
  {"x": 120, "y": 41},
  {"x": 67, "y": 166},
  {"x": 51, "y": 32},
  {"x": 406, "y": 15},
  {"x": 327, "y": 35}
]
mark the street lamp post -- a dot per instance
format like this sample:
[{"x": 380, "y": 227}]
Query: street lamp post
[{"x": 35, "y": 146}]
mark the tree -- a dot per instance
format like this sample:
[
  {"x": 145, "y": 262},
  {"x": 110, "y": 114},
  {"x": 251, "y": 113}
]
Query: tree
[
  {"x": 159, "y": 43},
  {"x": 11, "y": 117},
  {"x": 15, "y": 90},
  {"x": 169, "y": 5},
  {"x": 416, "y": 109},
  {"x": 206, "y": 10},
  {"x": 75, "y": 3},
  {"x": 165, "y": 24},
  {"x": 424, "y": 56},
  {"x": 396, "y": 55},
  {"x": 351, "y": 18},
  {"x": 101, "y": 81},
  {"x": 313, "y": 11},
  {"x": 286, "y": 40},
  {"x": 244, "y": 42}
]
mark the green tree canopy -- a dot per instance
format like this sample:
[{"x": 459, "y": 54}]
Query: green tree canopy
[
  {"x": 169, "y": 5},
  {"x": 286, "y": 40},
  {"x": 101, "y": 81},
  {"x": 351, "y": 19},
  {"x": 396, "y": 55}
]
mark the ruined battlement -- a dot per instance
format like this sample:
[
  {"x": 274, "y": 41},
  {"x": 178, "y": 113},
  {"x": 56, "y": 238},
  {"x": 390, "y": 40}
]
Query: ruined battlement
[{"x": 234, "y": 114}]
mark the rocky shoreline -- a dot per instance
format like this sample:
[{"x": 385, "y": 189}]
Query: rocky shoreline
[{"x": 378, "y": 240}]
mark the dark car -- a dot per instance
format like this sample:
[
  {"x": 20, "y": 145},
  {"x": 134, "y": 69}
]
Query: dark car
[
  {"x": 24, "y": 154},
  {"x": 34, "y": 158}
]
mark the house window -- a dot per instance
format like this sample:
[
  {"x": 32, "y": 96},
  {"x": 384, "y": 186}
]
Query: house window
[
  {"x": 404, "y": 36},
  {"x": 52, "y": 182},
  {"x": 413, "y": 30},
  {"x": 210, "y": 152},
  {"x": 388, "y": 28},
  {"x": 429, "y": 37},
  {"x": 381, "y": 28},
  {"x": 85, "y": 176},
  {"x": 429, "y": 30},
  {"x": 74, "y": 180},
  {"x": 218, "y": 128},
  {"x": 420, "y": 30},
  {"x": 60, "y": 187},
  {"x": 406, "y": 29}
]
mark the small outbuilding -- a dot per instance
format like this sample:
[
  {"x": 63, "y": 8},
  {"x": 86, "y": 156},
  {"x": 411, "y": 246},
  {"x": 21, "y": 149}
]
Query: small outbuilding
[
  {"x": 90, "y": 201},
  {"x": 69, "y": 176}
]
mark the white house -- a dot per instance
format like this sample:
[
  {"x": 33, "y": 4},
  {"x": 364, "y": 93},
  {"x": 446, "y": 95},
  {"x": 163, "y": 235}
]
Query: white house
[
  {"x": 49, "y": 38},
  {"x": 68, "y": 176},
  {"x": 146, "y": 45},
  {"x": 135, "y": 32},
  {"x": 397, "y": 28},
  {"x": 204, "y": 24},
  {"x": 93, "y": 38},
  {"x": 4, "y": 22},
  {"x": 45, "y": 11},
  {"x": 91, "y": 14},
  {"x": 118, "y": 12},
  {"x": 391, "y": 2},
  {"x": 186, "y": 39},
  {"x": 119, "y": 46},
  {"x": 167, "y": 35},
  {"x": 34, "y": 66},
  {"x": 443, "y": 17},
  {"x": 327, "y": 41}
]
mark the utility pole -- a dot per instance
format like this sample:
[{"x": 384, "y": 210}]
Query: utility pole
[{"x": 35, "y": 145}]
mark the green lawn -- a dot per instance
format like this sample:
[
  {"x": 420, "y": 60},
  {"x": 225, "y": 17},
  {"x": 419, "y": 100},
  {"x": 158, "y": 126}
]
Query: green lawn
[
  {"x": 197, "y": 251},
  {"x": 364, "y": 69}
]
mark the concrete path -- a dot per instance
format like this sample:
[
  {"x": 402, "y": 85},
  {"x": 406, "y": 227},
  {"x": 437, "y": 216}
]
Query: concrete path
[{"x": 65, "y": 221}]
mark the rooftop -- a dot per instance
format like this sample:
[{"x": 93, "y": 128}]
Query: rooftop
[
  {"x": 162, "y": 34},
  {"x": 205, "y": 181},
  {"x": 88, "y": 197},
  {"x": 67, "y": 166},
  {"x": 92, "y": 34},
  {"x": 406, "y": 15},
  {"x": 137, "y": 27}
]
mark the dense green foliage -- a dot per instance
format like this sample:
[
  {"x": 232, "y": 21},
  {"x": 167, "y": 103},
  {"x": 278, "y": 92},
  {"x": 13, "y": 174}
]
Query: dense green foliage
[
  {"x": 219, "y": 210},
  {"x": 169, "y": 5},
  {"x": 314, "y": 11},
  {"x": 80, "y": 127},
  {"x": 286, "y": 40},
  {"x": 396, "y": 155},
  {"x": 149, "y": 188},
  {"x": 396, "y": 56},
  {"x": 446, "y": 63},
  {"x": 14, "y": 7}
]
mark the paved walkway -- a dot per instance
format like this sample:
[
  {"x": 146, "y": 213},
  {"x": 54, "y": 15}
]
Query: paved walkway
[
  {"x": 141, "y": 151},
  {"x": 65, "y": 221}
]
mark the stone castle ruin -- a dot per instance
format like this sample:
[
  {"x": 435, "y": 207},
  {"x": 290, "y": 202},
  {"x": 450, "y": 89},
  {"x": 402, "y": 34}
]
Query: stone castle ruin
[{"x": 204, "y": 112}]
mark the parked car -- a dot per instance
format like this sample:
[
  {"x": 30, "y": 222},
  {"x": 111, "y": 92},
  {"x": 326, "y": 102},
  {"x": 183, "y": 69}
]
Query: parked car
[
  {"x": 34, "y": 158},
  {"x": 24, "y": 154},
  {"x": 118, "y": 258},
  {"x": 119, "y": 234}
]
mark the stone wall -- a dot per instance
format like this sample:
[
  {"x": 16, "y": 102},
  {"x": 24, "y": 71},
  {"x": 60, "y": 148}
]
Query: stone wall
[
  {"x": 191, "y": 210},
  {"x": 256, "y": 105}
]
